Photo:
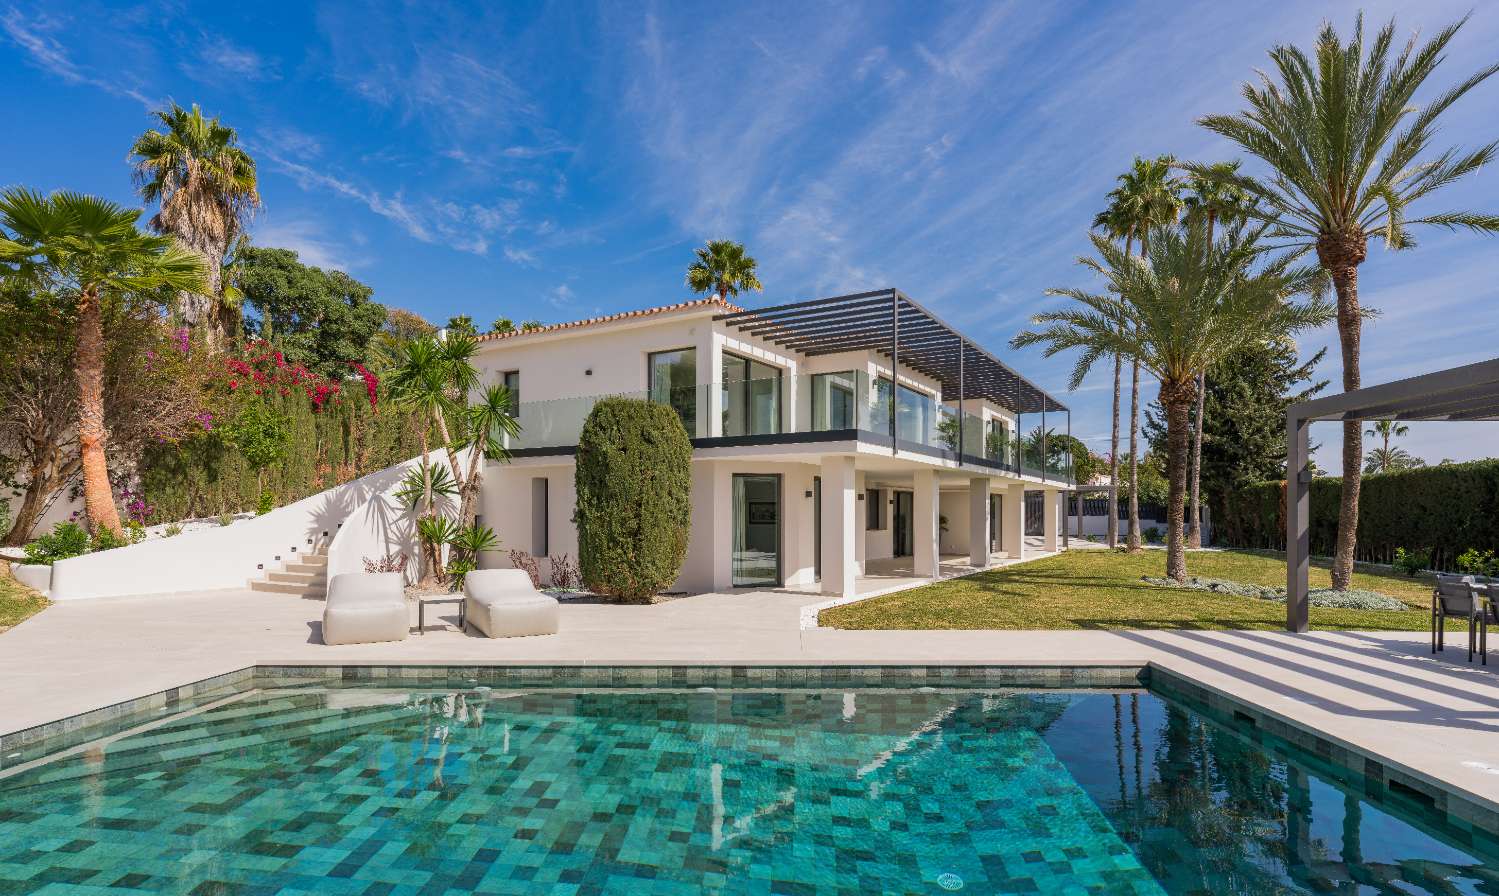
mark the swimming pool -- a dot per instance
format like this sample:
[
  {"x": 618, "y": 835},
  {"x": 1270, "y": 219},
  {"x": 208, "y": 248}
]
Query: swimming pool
[{"x": 365, "y": 790}]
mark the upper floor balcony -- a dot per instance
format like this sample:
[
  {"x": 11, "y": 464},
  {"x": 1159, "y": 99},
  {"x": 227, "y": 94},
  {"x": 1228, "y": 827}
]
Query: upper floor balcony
[{"x": 822, "y": 407}]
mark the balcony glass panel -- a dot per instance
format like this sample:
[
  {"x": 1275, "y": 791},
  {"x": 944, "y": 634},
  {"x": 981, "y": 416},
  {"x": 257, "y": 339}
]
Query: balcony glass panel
[
  {"x": 836, "y": 398},
  {"x": 751, "y": 396},
  {"x": 916, "y": 417}
]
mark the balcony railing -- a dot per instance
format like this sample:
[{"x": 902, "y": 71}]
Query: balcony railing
[{"x": 852, "y": 402}]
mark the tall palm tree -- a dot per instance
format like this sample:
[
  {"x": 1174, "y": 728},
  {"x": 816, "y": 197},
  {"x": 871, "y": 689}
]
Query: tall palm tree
[
  {"x": 1347, "y": 153},
  {"x": 89, "y": 250},
  {"x": 1150, "y": 196},
  {"x": 1187, "y": 304},
  {"x": 206, "y": 186},
  {"x": 1212, "y": 200},
  {"x": 723, "y": 269},
  {"x": 1116, "y": 221},
  {"x": 1390, "y": 460}
]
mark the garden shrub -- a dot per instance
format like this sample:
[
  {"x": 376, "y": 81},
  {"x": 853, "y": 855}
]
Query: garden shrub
[
  {"x": 64, "y": 541},
  {"x": 634, "y": 510},
  {"x": 1444, "y": 510},
  {"x": 1317, "y": 597}
]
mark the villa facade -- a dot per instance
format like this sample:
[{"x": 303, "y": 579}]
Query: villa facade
[{"x": 831, "y": 438}]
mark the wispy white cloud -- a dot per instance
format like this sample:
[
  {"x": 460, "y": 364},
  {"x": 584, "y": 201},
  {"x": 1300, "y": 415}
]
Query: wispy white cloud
[
  {"x": 218, "y": 60},
  {"x": 310, "y": 241},
  {"x": 35, "y": 35}
]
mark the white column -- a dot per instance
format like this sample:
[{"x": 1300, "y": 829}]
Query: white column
[
  {"x": 978, "y": 521},
  {"x": 1013, "y": 526},
  {"x": 1051, "y": 519},
  {"x": 925, "y": 501},
  {"x": 839, "y": 569}
]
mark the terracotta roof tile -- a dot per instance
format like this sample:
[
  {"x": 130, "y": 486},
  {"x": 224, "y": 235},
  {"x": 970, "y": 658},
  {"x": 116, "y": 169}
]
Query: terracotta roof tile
[{"x": 624, "y": 315}]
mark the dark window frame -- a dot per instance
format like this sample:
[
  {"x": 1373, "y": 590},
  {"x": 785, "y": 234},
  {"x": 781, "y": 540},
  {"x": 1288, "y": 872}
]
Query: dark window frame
[{"x": 780, "y": 379}]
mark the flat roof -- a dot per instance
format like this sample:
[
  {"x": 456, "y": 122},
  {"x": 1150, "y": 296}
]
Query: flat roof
[
  {"x": 889, "y": 322},
  {"x": 1470, "y": 392}
]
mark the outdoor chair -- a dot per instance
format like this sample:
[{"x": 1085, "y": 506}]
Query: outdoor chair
[
  {"x": 366, "y": 607},
  {"x": 502, "y": 603},
  {"x": 1455, "y": 598}
]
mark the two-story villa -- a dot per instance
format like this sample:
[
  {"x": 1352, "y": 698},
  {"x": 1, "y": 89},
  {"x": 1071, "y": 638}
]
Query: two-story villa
[{"x": 832, "y": 438}]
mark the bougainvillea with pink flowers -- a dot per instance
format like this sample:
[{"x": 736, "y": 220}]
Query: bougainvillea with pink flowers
[{"x": 261, "y": 368}]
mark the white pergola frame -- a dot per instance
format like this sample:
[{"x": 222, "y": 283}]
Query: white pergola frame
[{"x": 1470, "y": 392}]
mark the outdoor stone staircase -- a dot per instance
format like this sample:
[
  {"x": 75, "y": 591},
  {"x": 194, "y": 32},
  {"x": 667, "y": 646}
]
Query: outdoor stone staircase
[{"x": 305, "y": 575}]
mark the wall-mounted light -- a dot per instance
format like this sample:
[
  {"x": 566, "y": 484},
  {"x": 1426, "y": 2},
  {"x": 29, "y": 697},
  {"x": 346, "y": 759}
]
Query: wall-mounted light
[
  {"x": 588, "y": 372},
  {"x": 809, "y": 493}
]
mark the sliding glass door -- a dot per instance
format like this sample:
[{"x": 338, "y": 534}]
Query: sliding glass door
[{"x": 757, "y": 530}]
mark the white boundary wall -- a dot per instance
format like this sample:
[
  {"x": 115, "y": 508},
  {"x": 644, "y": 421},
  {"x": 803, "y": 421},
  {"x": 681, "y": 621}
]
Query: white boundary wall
[{"x": 231, "y": 556}]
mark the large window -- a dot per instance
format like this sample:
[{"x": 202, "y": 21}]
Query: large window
[
  {"x": 916, "y": 417},
  {"x": 997, "y": 442},
  {"x": 833, "y": 401},
  {"x": 672, "y": 380},
  {"x": 756, "y": 556},
  {"x": 874, "y": 510},
  {"x": 751, "y": 397},
  {"x": 511, "y": 381},
  {"x": 879, "y": 406}
]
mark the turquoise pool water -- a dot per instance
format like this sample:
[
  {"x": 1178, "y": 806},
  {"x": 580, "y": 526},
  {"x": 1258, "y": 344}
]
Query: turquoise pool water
[{"x": 364, "y": 791}]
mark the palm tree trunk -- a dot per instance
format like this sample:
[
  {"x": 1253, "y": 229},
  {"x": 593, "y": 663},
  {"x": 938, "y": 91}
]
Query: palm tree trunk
[
  {"x": 447, "y": 445},
  {"x": 88, "y": 367},
  {"x": 1133, "y": 541},
  {"x": 1113, "y": 521},
  {"x": 1177, "y": 399},
  {"x": 468, "y": 503},
  {"x": 1194, "y": 512},
  {"x": 1341, "y": 257}
]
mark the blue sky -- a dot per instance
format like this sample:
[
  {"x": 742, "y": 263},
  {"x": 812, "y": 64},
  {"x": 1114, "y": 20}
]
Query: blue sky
[{"x": 561, "y": 160}]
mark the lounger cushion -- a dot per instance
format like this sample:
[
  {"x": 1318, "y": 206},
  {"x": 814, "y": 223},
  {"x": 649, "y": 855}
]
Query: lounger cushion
[
  {"x": 502, "y": 603},
  {"x": 365, "y": 607}
]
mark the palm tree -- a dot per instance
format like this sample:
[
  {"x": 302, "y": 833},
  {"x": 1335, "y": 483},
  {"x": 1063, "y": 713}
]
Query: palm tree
[
  {"x": 1211, "y": 200},
  {"x": 1390, "y": 460},
  {"x": 1148, "y": 196},
  {"x": 89, "y": 250},
  {"x": 1346, "y": 149},
  {"x": 206, "y": 186},
  {"x": 1386, "y": 430},
  {"x": 723, "y": 269},
  {"x": 1185, "y": 305},
  {"x": 1118, "y": 224},
  {"x": 488, "y": 418}
]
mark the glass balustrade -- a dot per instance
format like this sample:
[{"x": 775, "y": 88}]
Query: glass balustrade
[{"x": 849, "y": 401}]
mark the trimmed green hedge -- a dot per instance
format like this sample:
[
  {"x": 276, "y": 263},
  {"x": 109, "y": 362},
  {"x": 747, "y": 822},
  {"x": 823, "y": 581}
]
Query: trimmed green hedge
[
  {"x": 634, "y": 484},
  {"x": 1446, "y": 510},
  {"x": 204, "y": 476}
]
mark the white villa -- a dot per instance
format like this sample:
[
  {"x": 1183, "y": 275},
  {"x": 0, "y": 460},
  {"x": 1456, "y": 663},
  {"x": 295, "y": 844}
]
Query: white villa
[{"x": 809, "y": 470}]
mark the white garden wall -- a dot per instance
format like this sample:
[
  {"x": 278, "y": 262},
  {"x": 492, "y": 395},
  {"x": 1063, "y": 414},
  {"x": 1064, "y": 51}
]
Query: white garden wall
[{"x": 230, "y": 556}]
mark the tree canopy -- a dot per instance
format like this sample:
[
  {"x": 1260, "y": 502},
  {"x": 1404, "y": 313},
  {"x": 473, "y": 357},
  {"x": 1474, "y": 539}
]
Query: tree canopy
[{"x": 320, "y": 319}]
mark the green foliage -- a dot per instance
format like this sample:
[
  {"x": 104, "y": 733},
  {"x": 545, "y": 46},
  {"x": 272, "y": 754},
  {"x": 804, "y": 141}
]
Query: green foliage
[
  {"x": 1411, "y": 562},
  {"x": 722, "y": 268},
  {"x": 320, "y": 319},
  {"x": 226, "y": 519},
  {"x": 1478, "y": 563},
  {"x": 1317, "y": 597},
  {"x": 421, "y": 479},
  {"x": 1244, "y": 419},
  {"x": 205, "y": 475},
  {"x": 471, "y": 541},
  {"x": 1152, "y": 534},
  {"x": 634, "y": 505},
  {"x": 1444, "y": 510},
  {"x": 502, "y": 325},
  {"x": 105, "y": 540},
  {"x": 172, "y": 530},
  {"x": 261, "y": 433},
  {"x": 437, "y": 530},
  {"x": 265, "y": 504},
  {"x": 458, "y": 570},
  {"x": 461, "y": 323},
  {"x": 135, "y": 531},
  {"x": 64, "y": 541}
]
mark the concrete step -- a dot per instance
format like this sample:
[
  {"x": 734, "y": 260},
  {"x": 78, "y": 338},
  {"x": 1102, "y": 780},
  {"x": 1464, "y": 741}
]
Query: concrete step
[
  {"x": 298, "y": 576},
  {"x": 310, "y": 568},
  {"x": 319, "y": 559},
  {"x": 296, "y": 588}
]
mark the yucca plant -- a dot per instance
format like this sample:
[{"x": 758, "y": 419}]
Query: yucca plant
[
  {"x": 473, "y": 541},
  {"x": 423, "y": 484},
  {"x": 1348, "y": 156},
  {"x": 434, "y": 532}
]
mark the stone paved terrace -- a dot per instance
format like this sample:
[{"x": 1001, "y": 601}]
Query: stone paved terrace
[{"x": 1435, "y": 718}]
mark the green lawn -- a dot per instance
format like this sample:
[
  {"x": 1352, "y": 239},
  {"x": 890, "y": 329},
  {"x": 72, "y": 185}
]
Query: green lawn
[
  {"x": 1102, "y": 589},
  {"x": 17, "y": 602}
]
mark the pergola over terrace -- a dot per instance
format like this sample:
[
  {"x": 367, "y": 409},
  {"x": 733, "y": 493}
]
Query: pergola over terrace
[
  {"x": 1470, "y": 392},
  {"x": 889, "y": 322}
]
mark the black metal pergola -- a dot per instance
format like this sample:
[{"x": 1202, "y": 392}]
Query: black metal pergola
[
  {"x": 1463, "y": 393},
  {"x": 889, "y": 322}
]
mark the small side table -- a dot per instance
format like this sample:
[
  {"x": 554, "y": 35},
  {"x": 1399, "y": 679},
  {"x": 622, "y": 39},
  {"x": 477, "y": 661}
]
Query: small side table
[{"x": 421, "y": 610}]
